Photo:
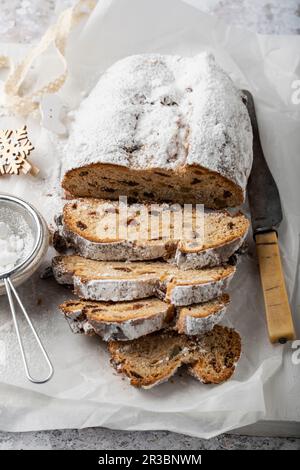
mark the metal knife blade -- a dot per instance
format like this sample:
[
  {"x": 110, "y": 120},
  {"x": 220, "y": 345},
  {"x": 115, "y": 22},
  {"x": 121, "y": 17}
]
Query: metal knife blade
[{"x": 264, "y": 199}]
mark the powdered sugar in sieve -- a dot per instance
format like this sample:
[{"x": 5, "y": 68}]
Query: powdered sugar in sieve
[{"x": 16, "y": 239}]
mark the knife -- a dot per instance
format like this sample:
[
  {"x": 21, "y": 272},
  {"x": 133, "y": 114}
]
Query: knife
[{"x": 266, "y": 215}]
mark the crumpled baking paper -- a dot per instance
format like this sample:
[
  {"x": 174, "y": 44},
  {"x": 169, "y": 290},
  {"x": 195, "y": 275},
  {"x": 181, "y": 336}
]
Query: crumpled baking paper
[{"x": 85, "y": 390}]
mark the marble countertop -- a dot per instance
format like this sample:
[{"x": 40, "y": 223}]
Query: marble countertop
[{"x": 24, "y": 21}]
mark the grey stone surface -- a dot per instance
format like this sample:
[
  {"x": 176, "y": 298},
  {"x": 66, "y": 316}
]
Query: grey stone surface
[
  {"x": 25, "y": 21},
  {"x": 262, "y": 16},
  {"x": 106, "y": 439}
]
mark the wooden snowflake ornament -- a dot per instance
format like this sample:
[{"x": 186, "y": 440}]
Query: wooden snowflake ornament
[{"x": 15, "y": 147}]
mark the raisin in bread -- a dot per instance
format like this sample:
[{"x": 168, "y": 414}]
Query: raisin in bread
[
  {"x": 151, "y": 360},
  {"x": 129, "y": 320},
  {"x": 118, "y": 281},
  {"x": 162, "y": 128},
  {"x": 118, "y": 321},
  {"x": 91, "y": 228}
]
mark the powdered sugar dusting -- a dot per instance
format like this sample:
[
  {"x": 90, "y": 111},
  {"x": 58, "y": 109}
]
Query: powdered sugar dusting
[
  {"x": 198, "y": 325},
  {"x": 198, "y": 293},
  {"x": 16, "y": 239},
  {"x": 209, "y": 257}
]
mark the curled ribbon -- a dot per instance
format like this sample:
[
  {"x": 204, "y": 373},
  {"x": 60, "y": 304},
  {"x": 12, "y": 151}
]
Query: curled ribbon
[{"x": 57, "y": 34}]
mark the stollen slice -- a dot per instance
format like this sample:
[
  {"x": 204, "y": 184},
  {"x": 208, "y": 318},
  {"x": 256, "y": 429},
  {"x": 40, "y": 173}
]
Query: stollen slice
[
  {"x": 118, "y": 321},
  {"x": 153, "y": 359},
  {"x": 118, "y": 281},
  {"x": 92, "y": 228},
  {"x": 129, "y": 320}
]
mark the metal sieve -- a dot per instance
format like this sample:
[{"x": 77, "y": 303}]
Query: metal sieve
[{"x": 37, "y": 227}]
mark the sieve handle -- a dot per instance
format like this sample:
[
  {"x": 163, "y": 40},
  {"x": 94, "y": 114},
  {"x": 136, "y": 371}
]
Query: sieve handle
[{"x": 11, "y": 290}]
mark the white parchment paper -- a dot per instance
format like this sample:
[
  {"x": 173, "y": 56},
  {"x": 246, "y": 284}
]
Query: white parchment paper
[{"x": 85, "y": 390}]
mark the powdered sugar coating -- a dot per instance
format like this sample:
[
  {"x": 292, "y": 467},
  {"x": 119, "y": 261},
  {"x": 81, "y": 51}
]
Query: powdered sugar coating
[
  {"x": 165, "y": 283},
  {"x": 197, "y": 326},
  {"x": 124, "y": 250},
  {"x": 129, "y": 329},
  {"x": 161, "y": 111},
  {"x": 198, "y": 293},
  {"x": 114, "y": 290},
  {"x": 136, "y": 327},
  {"x": 81, "y": 319},
  {"x": 210, "y": 257}
]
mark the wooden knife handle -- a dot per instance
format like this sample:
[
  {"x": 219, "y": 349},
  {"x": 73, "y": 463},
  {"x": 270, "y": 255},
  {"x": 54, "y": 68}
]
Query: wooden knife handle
[{"x": 278, "y": 312}]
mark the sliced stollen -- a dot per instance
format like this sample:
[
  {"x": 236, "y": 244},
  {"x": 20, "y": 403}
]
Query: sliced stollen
[
  {"x": 161, "y": 128},
  {"x": 153, "y": 359},
  {"x": 118, "y": 281},
  {"x": 119, "y": 321},
  {"x": 129, "y": 320},
  {"x": 84, "y": 224},
  {"x": 83, "y": 227}
]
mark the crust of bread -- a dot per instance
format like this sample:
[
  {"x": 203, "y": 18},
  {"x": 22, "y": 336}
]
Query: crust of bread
[
  {"x": 115, "y": 290},
  {"x": 116, "y": 251}
]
